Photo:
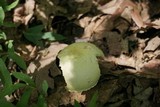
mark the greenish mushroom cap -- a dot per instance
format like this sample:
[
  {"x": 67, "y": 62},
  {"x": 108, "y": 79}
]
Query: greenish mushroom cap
[{"x": 79, "y": 66}]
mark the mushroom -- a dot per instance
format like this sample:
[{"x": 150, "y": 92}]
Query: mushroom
[{"x": 79, "y": 66}]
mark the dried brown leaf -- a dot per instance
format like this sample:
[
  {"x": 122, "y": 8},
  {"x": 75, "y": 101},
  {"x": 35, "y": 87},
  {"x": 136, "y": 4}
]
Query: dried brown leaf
[
  {"x": 152, "y": 66},
  {"x": 153, "y": 44},
  {"x": 24, "y": 12},
  {"x": 44, "y": 64},
  {"x": 63, "y": 97},
  {"x": 117, "y": 7}
]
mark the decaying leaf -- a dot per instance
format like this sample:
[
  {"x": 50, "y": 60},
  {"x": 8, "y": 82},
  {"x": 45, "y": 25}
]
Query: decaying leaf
[
  {"x": 24, "y": 12},
  {"x": 43, "y": 65},
  {"x": 64, "y": 98},
  {"x": 117, "y": 7},
  {"x": 28, "y": 52},
  {"x": 152, "y": 66},
  {"x": 153, "y": 44},
  {"x": 69, "y": 8},
  {"x": 105, "y": 91}
]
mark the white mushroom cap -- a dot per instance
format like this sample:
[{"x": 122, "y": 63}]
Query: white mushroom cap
[{"x": 79, "y": 66}]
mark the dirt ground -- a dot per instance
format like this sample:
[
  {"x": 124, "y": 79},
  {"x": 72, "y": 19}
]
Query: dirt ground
[{"x": 127, "y": 31}]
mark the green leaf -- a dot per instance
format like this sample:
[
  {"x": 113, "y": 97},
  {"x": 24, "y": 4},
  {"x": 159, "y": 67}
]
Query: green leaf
[
  {"x": 19, "y": 60},
  {"x": 25, "y": 98},
  {"x": 10, "y": 89},
  {"x": 34, "y": 38},
  {"x": 24, "y": 77},
  {"x": 3, "y": 3},
  {"x": 2, "y": 15},
  {"x": 1, "y": 49},
  {"x": 44, "y": 88},
  {"x": 9, "y": 24},
  {"x": 35, "y": 29},
  {"x": 93, "y": 101},
  {"x": 4, "y": 74},
  {"x": 16, "y": 58},
  {"x": 12, "y": 5},
  {"x": 41, "y": 101},
  {"x": 5, "y": 103},
  {"x": 34, "y": 34},
  {"x": 4, "y": 57},
  {"x": 52, "y": 36},
  {"x": 3, "y": 35},
  {"x": 10, "y": 45},
  {"x": 76, "y": 104}
]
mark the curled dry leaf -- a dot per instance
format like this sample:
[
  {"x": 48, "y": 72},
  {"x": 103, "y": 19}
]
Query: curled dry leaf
[
  {"x": 24, "y": 12},
  {"x": 45, "y": 64},
  {"x": 98, "y": 24},
  {"x": 104, "y": 30},
  {"x": 117, "y": 7},
  {"x": 153, "y": 44},
  {"x": 156, "y": 24}
]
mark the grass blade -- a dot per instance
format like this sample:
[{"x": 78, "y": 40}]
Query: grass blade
[
  {"x": 24, "y": 77},
  {"x": 2, "y": 15},
  {"x": 41, "y": 101},
  {"x": 76, "y": 104},
  {"x": 44, "y": 88},
  {"x": 5, "y": 103},
  {"x": 25, "y": 98},
  {"x": 93, "y": 102},
  {"x": 4, "y": 74},
  {"x": 12, "y": 5},
  {"x": 19, "y": 60},
  {"x": 10, "y": 89}
]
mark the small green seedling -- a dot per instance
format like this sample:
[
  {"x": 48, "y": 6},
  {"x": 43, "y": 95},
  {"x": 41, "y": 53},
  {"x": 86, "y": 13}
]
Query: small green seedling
[{"x": 79, "y": 66}]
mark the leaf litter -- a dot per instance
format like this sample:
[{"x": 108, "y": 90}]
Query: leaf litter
[{"x": 126, "y": 31}]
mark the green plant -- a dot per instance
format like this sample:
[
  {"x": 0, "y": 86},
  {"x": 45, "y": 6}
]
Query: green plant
[
  {"x": 2, "y": 15},
  {"x": 36, "y": 35},
  {"x": 4, "y": 7},
  {"x": 26, "y": 83}
]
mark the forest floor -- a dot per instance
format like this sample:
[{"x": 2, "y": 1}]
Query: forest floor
[{"x": 127, "y": 31}]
